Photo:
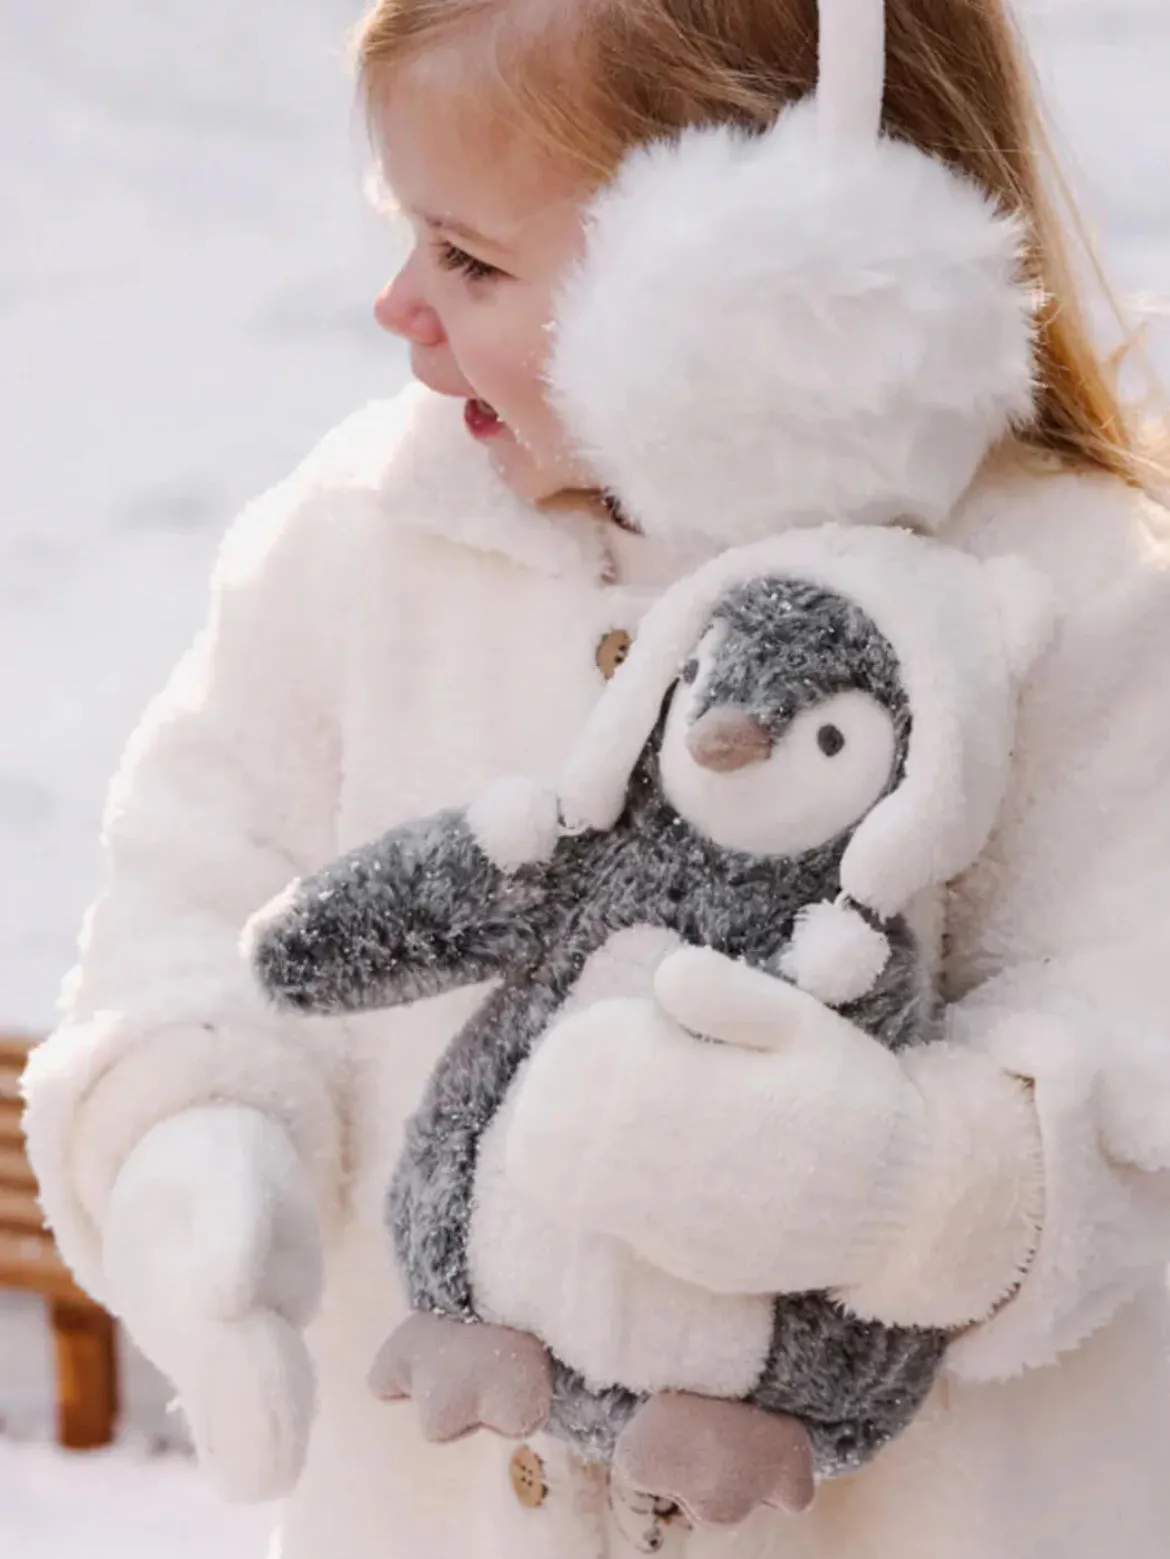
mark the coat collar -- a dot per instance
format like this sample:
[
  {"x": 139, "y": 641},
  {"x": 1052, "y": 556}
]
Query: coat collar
[{"x": 414, "y": 455}]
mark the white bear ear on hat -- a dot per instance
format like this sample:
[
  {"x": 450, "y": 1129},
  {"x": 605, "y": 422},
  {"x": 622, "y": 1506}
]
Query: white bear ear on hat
[
  {"x": 1027, "y": 610},
  {"x": 814, "y": 323}
]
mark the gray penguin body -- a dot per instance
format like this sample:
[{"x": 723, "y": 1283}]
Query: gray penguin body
[{"x": 424, "y": 910}]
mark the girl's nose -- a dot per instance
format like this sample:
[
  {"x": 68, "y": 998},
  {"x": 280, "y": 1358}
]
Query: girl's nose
[{"x": 401, "y": 309}]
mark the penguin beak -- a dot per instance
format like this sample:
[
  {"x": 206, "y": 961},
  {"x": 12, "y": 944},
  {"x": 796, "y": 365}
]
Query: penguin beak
[{"x": 726, "y": 740}]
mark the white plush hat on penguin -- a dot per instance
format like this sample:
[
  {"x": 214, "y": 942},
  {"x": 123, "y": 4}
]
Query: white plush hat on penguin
[
  {"x": 818, "y": 322},
  {"x": 964, "y": 632}
]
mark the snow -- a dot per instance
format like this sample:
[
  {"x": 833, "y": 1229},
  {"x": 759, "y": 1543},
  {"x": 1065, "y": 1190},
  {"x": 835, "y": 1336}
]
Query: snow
[
  {"x": 186, "y": 264},
  {"x": 118, "y": 1505}
]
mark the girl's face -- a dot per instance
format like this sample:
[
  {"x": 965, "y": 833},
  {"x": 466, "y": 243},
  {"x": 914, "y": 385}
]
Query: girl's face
[{"x": 495, "y": 227}]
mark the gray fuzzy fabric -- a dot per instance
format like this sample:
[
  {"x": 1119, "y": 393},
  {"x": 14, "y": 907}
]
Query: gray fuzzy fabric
[{"x": 422, "y": 911}]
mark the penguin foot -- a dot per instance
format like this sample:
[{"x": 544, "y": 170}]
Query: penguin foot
[
  {"x": 466, "y": 1375},
  {"x": 716, "y": 1460}
]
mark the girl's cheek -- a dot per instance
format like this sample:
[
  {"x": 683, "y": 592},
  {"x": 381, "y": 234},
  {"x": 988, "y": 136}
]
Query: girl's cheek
[
  {"x": 501, "y": 346},
  {"x": 509, "y": 375}
]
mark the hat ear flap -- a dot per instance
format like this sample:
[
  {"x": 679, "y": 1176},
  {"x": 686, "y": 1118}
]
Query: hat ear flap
[
  {"x": 982, "y": 627},
  {"x": 921, "y": 833},
  {"x": 596, "y": 777}
]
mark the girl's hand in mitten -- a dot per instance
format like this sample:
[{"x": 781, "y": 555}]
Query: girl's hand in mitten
[
  {"x": 793, "y": 1154},
  {"x": 213, "y": 1260}
]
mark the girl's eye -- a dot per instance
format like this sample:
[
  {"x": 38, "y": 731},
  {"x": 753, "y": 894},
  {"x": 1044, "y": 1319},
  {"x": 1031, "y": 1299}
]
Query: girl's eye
[{"x": 452, "y": 258}]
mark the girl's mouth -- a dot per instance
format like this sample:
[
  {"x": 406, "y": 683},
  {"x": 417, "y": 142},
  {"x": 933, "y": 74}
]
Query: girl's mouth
[{"x": 482, "y": 420}]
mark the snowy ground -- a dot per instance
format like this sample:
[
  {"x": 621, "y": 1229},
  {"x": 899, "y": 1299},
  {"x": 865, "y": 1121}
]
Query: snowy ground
[
  {"x": 117, "y": 1506},
  {"x": 185, "y": 269},
  {"x": 130, "y": 1503}
]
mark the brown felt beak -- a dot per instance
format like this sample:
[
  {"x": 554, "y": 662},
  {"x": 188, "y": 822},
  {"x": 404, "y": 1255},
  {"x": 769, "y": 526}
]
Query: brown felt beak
[{"x": 727, "y": 739}]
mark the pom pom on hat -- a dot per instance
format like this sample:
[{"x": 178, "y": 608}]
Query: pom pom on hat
[{"x": 515, "y": 822}]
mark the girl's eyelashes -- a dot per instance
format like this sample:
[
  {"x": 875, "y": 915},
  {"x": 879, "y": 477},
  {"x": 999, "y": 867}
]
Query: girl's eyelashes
[{"x": 452, "y": 258}]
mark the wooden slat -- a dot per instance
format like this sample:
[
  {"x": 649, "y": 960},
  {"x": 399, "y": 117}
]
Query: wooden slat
[
  {"x": 30, "y": 1262},
  {"x": 83, "y": 1334},
  {"x": 15, "y": 1171},
  {"x": 14, "y": 1049},
  {"x": 11, "y": 1113},
  {"x": 19, "y": 1211},
  {"x": 87, "y": 1375}
]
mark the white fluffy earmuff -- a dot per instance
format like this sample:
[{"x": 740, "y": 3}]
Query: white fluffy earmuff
[{"x": 818, "y": 322}]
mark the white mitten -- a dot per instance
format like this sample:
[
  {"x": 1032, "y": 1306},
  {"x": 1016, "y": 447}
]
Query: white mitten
[
  {"x": 795, "y": 1154},
  {"x": 213, "y": 1260}
]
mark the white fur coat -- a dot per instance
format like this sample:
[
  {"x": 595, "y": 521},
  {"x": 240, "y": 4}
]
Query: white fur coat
[{"x": 389, "y": 632}]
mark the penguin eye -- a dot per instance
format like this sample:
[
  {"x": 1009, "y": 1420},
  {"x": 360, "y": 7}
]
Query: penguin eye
[
  {"x": 690, "y": 672},
  {"x": 830, "y": 740}
]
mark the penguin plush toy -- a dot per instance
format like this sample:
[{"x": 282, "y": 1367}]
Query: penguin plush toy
[{"x": 808, "y": 737}]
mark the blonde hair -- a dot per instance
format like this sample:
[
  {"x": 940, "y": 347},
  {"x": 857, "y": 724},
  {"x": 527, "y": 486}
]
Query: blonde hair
[{"x": 591, "y": 79}]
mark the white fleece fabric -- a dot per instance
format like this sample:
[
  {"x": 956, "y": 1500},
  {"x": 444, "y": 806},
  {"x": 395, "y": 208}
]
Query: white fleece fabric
[{"x": 360, "y": 667}]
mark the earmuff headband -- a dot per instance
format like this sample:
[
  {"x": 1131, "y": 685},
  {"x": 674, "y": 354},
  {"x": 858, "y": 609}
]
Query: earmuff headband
[{"x": 852, "y": 71}]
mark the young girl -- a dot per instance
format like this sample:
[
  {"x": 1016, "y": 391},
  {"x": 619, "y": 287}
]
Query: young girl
[{"x": 434, "y": 599}]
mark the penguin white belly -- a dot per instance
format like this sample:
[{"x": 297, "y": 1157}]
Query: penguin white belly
[{"x": 602, "y": 1309}]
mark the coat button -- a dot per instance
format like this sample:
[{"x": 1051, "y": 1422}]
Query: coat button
[
  {"x": 612, "y": 650},
  {"x": 527, "y": 1474}
]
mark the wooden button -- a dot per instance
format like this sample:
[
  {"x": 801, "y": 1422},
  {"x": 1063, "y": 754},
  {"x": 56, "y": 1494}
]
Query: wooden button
[
  {"x": 612, "y": 650},
  {"x": 527, "y": 1474}
]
